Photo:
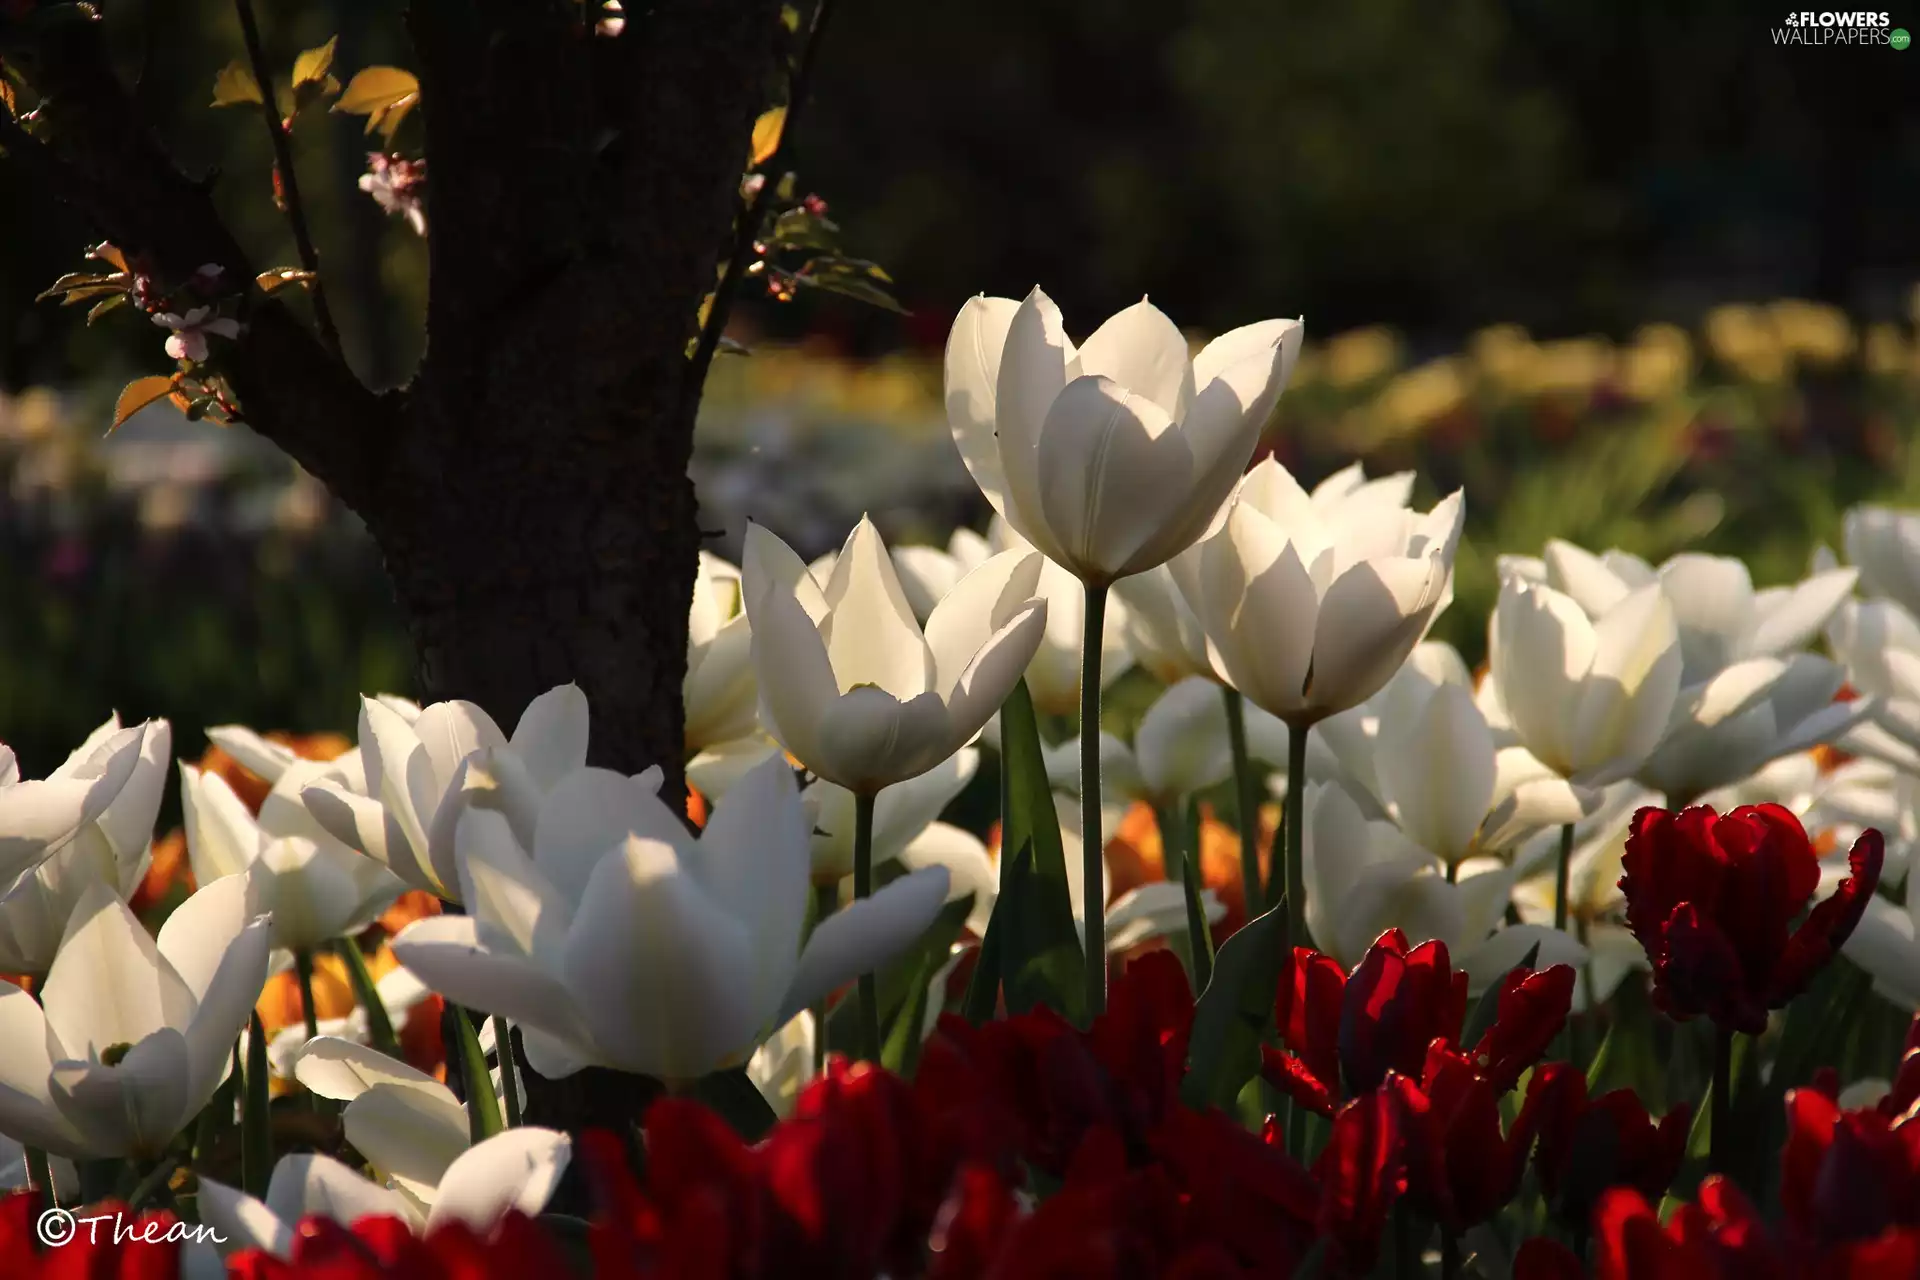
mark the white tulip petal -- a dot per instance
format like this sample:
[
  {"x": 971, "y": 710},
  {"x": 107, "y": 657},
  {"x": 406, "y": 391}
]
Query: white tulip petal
[
  {"x": 307, "y": 1185},
  {"x": 979, "y": 606},
  {"x": 1112, "y": 472},
  {"x": 342, "y": 1069},
  {"x": 1140, "y": 349},
  {"x": 972, "y": 373},
  {"x": 513, "y": 1171},
  {"x": 445, "y": 953},
  {"x": 864, "y": 936},
  {"x": 411, "y": 1136},
  {"x": 551, "y": 737},
  {"x": 241, "y": 1222},
  {"x": 1370, "y": 620},
  {"x": 588, "y": 815},
  {"x": 1438, "y": 772},
  {"x": 109, "y": 985}
]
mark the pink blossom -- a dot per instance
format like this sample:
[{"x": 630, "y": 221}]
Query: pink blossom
[
  {"x": 189, "y": 338},
  {"x": 399, "y": 186}
]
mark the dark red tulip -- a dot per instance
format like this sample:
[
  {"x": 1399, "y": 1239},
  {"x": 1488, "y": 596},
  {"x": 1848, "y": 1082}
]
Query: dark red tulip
[
  {"x": 1246, "y": 1193},
  {"x": 1589, "y": 1144},
  {"x": 1462, "y": 1165},
  {"x": 1362, "y": 1172},
  {"x": 1396, "y": 1003},
  {"x": 1543, "y": 1259},
  {"x": 1713, "y": 898},
  {"x": 1847, "y": 1175}
]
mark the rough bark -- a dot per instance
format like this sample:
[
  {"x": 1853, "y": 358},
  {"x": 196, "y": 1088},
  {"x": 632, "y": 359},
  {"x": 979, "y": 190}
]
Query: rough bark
[{"x": 529, "y": 489}]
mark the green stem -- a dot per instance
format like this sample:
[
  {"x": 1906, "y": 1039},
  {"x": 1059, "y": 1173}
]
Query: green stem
[
  {"x": 863, "y": 888},
  {"x": 40, "y": 1171},
  {"x": 256, "y": 1129},
  {"x": 379, "y": 1026},
  {"x": 1560, "y": 878},
  {"x": 1296, "y": 835},
  {"x": 155, "y": 1179},
  {"x": 1179, "y": 837},
  {"x": 503, "y": 1049},
  {"x": 1093, "y": 843},
  {"x": 826, "y": 899},
  {"x": 1295, "y": 820},
  {"x": 1720, "y": 1140},
  {"x": 483, "y": 1109},
  {"x": 303, "y": 966},
  {"x": 1246, "y": 790}
]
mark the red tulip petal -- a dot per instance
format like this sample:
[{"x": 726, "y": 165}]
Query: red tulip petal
[{"x": 1831, "y": 923}]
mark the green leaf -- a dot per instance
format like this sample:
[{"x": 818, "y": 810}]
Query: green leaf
[
  {"x": 235, "y": 86},
  {"x": 982, "y": 999},
  {"x": 106, "y": 304},
  {"x": 1629, "y": 1057},
  {"x": 1235, "y": 1012},
  {"x": 1042, "y": 962},
  {"x": 849, "y": 278},
  {"x": 137, "y": 395},
  {"x": 256, "y": 1119},
  {"x": 1486, "y": 1011},
  {"x": 383, "y": 95},
  {"x": 738, "y": 1100},
  {"x": 379, "y": 1025},
  {"x": 902, "y": 985},
  {"x": 311, "y": 66},
  {"x": 483, "y": 1108}
]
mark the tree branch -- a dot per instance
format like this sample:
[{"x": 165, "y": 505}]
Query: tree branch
[
  {"x": 95, "y": 153},
  {"x": 756, "y": 213},
  {"x": 283, "y": 165}
]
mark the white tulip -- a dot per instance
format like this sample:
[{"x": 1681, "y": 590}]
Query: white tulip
[
  {"x": 1878, "y": 641},
  {"x": 124, "y": 774},
  {"x": 1306, "y": 618},
  {"x": 719, "y": 768},
  {"x": 399, "y": 993},
  {"x": 1885, "y": 544},
  {"x": 848, "y": 682},
  {"x": 1112, "y": 457},
  {"x": 1746, "y": 696},
  {"x": 314, "y": 885},
  {"x": 135, "y": 1034},
  {"x": 900, "y": 813},
  {"x": 39, "y": 817},
  {"x": 1053, "y": 677},
  {"x": 1589, "y": 697},
  {"x": 721, "y": 701},
  {"x": 1364, "y": 877},
  {"x": 928, "y": 574},
  {"x": 513, "y": 1171},
  {"x": 623, "y": 941},
  {"x": 417, "y": 772}
]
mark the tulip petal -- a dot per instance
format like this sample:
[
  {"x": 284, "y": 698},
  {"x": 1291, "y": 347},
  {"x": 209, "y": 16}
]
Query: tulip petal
[
  {"x": 222, "y": 836},
  {"x": 864, "y": 936},
  {"x": 586, "y": 816},
  {"x": 445, "y": 953},
  {"x": 136, "y": 1107},
  {"x": 972, "y": 373},
  {"x": 1258, "y": 607},
  {"x": 869, "y": 739},
  {"x": 410, "y": 1135},
  {"x": 241, "y": 1222},
  {"x": 672, "y": 975},
  {"x": 514, "y": 1171},
  {"x": 450, "y": 732},
  {"x": 1369, "y": 621},
  {"x": 1540, "y": 650},
  {"x": 969, "y": 869},
  {"x": 1112, "y": 472},
  {"x": 1140, "y": 349},
  {"x": 980, "y": 604},
  {"x": 551, "y": 737},
  {"x": 225, "y": 1005},
  {"x": 341, "y": 1069},
  {"x": 877, "y": 642},
  {"x": 1036, "y": 364},
  {"x": 1181, "y": 744},
  {"x": 370, "y": 827},
  {"x": 108, "y": 984},
  {"x": 1584, "y": 576},
  {"x": 1628, "y": 693},
  {"x": 1788, "y": 617},
  {"x": 503, "y": 889},
  {"x": 306, "y": 1185},
  {"x": 754, "y": 859},
  {"x": 989, "y": 678},
  {"x": 1438, "y": 771}
]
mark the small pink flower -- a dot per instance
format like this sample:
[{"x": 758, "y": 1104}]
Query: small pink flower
[
  {"x": 189, "y": 339},
  {"x": 399, "y": 186}
]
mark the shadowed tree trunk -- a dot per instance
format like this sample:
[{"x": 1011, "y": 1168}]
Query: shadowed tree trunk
[{"x": 528, "y": 490}]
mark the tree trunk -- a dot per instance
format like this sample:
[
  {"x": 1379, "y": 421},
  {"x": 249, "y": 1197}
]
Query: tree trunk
[{"x": 529, "y": 489}]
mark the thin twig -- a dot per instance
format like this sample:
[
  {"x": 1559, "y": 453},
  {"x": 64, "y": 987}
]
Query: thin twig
[
  {"x": 283, "y": 160},
  {"x": 756, "y": 213}
]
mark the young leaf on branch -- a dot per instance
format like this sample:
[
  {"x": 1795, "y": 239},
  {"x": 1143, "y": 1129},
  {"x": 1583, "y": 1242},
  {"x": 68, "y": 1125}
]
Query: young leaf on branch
[
  {"x": 383, "y": 95},
  {"x": 235, "y": 86},
  {"x": 138, "y": 394}
]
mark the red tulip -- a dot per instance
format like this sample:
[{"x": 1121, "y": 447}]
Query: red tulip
[
  {"x": 1244, "y": 1192},
  {"x": 1461, "y": 1166},
  {"x": 1847, "y": 1175},
  {"x": 1590, "y": 1144},
  {"x": 1712, "y": 899},
  {"x": 1361, "y": 1173},
  {"x": 1396, "y": 1003}
]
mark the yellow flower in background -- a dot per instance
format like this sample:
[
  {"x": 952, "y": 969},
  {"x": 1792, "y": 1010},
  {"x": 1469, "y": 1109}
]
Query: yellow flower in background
[
  {"x": 1741, "y": 337},
  {"x": 1816, "y": 334},
  {"x": 1411, "y": 401},
  {"x": 1658, "y": 363},
  {"x": 1573, "y": 367},
  {"x": 1361, "y": 355},
  {"x": 1501, "y": 355},
  {"x": 1888, "y": 354}
]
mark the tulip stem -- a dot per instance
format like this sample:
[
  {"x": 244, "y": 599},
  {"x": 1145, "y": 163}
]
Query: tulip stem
[
  {"x": 1560, "y": 878},
  {"x": 379, "y": 1025},
  {"x": 1092, "y": 840},
  {"x": 40, "y": 1173},
  {"x": 256, "y": 1132},
  {"x": 303, "y": 966},
  {"x": 155, "y": 1180},
  {"x": 1720, "y": 1138},
  {"x": 826, "y": 900},
  {"x": 1296, "y": 818},
  {"x": 1248, "y": 799},
  {"x": 509, "y": 1085},
  {"x": 863, "y": 888}
]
